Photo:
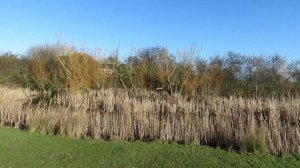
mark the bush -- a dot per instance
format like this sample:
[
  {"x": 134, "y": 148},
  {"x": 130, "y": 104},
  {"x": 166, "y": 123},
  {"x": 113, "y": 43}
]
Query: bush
[
  {"x": 57, "y": 69},
  {"x": 60, "y": 67},
  {"x": 10, "y": 66}
]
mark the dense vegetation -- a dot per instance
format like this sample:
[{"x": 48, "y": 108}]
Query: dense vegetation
[
  {"x": 234, "y": 101},
  {"x": 266, "y": 125},
  {"x": 50, "y": 151},
  {"x": 60, "y": 67}
]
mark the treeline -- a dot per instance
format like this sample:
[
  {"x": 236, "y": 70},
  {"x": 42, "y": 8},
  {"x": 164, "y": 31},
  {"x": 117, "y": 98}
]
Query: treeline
[{"x": 62, "y": 68}]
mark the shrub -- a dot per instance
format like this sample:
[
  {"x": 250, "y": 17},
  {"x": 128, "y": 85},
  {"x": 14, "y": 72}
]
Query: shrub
[
  {"x": 10, "y": 66},
  {"x": 56, "y": 68}
]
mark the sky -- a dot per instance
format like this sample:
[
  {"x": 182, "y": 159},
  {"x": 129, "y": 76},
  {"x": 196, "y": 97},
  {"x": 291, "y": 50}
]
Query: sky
[{"x": 214, "y": 26}]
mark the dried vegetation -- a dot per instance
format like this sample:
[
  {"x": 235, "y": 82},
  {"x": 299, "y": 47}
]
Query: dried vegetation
[{"x": 247, "y": 124}]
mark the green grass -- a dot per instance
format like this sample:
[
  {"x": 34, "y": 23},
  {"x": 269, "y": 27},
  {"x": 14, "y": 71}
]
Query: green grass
[{"x": 24, "y": 149}]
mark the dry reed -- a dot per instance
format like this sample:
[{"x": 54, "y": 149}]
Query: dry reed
[{"x": 264, "y": 125}]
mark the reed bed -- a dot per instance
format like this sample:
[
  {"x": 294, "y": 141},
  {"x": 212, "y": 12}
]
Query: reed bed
[{"x": 251, "y": 125}]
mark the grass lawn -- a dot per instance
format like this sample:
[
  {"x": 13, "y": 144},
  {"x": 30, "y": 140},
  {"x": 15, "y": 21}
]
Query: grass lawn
[{"x": 24, "y": 149}]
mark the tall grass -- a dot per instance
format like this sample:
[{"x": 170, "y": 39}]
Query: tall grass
[{"x": 262, "y": 125}]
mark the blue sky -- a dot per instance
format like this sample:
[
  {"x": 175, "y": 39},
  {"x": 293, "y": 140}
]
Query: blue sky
[{"x": 214, "y": 26}]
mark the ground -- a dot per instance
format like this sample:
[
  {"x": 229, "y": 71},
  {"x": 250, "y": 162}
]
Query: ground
[{"x": 24, "y": 149}]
